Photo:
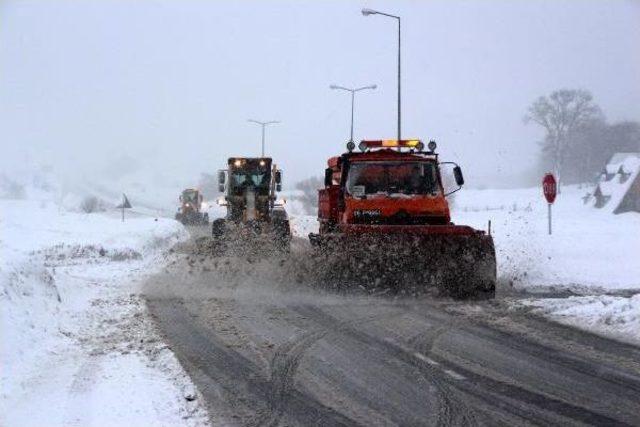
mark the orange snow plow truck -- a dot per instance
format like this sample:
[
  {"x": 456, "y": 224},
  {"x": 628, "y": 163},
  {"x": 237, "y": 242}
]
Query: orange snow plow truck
[{"x": 385, "y": 223}]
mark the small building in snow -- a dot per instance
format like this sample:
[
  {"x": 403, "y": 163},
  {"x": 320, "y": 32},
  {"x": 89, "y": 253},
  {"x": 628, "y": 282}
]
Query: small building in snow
[{"x": 618, "y": 186}]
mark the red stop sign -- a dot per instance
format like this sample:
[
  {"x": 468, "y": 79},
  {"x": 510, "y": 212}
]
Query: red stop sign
[{"x": 549, "y": 187}]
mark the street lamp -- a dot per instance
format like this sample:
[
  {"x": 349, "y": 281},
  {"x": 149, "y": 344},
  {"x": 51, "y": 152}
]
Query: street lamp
[
  {"x": 263, "y": 125},
  {"x": 353, "y": 93},
  {"x": 367, "y": 12}
]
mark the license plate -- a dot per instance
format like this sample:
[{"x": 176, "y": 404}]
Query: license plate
[{"x": 366, "y": 213}]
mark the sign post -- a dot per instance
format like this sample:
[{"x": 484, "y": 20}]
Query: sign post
[
  {"x": 124, "y": 205},
  {"x": 549, "y": 189}
]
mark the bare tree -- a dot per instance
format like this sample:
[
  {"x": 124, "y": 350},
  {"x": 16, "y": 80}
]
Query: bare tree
[
  {"x": 560, "y": 114},
  {"x": 587, "y": 152}
]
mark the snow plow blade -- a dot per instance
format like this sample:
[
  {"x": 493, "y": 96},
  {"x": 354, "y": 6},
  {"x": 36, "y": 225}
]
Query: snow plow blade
[
  {"x": 250, "y": 239},
  {"x": 452, "y": 260}
]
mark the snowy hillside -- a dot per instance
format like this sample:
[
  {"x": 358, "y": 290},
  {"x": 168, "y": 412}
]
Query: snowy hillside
[{"x": 151, "y": 192}]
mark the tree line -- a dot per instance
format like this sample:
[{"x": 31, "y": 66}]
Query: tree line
[{"x": 578, "y": 139}]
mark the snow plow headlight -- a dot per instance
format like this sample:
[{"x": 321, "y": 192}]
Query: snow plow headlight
[{"x": 432, "y": 146}]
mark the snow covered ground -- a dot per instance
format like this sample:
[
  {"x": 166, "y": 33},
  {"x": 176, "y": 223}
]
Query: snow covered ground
[
  {"x": 77, "y": 347},
  {"x": 614, "y": 316},
  {"x": 589, "y": 250},
  {"x": 591, "y": 253}
]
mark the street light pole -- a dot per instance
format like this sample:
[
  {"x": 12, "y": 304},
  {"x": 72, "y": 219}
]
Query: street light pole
[
  {"x": 263, "y": 125},
  {"x": 367, "y": 12},
  {"x": 353, "y": 96},
  {"x": 399, "y": 91}
]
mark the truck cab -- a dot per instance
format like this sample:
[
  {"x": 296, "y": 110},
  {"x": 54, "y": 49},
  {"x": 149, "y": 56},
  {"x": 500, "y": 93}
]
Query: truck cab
[
  {"x": 385, "y": 221},
  {"x": 388, "y": 183}
]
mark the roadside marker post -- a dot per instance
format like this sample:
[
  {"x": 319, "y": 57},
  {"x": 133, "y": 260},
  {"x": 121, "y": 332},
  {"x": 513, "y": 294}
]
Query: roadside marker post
[
  {"x": 550, "y": 190},
  {"x": 124, "y": 205}
]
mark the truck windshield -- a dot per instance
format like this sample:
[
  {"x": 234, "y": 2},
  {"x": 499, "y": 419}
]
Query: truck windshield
[
  {"x": 190, "y": 197},
  {"x": 242, "y": 178},
  {"x": 391, "y": 178}
]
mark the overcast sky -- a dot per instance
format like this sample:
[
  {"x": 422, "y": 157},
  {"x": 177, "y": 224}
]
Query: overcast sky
[{"x": 172, "y": 83}]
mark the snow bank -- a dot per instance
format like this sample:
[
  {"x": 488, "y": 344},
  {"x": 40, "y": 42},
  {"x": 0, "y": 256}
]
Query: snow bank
[
  {"x": 611, "y": 316},
  {"x": 77, "y": 346},
  {"x": 589, "y": 249},
  {"x": 32, "y": 225}
]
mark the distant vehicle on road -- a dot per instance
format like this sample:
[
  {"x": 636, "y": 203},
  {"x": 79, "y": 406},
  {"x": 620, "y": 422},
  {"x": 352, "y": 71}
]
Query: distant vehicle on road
[
  {"x": 191, "y": 208},
  {"x": 249, "y": 185}
]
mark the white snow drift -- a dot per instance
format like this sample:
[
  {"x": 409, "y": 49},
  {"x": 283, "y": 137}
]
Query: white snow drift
[
  {"x": 76, "y": 344},
  {"x": 613, "y": 316}
]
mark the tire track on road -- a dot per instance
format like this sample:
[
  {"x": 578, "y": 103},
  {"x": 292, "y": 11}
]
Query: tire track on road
[
  {"x": 454, "y": 408},
  {"x": 283, "y": 367},
  {"x": 216, "y": 369},
  {"x": 285, "y": 362},
  {"x": 519, "y": 401},
  {"x": 450, "y": 412}
]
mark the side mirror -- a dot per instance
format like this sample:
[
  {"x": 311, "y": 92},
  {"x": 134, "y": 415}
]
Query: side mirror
[
  {"x": 328, "y": 177},
  {"x": 457, "y": 174},
  {"x": 222, "y": 177},
  {"x": 278, "y": 177},
  {"x": 278, "y": 187}
]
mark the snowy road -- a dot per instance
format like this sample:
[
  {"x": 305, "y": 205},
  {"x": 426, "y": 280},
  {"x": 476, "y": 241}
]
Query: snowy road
[{"x": 265, "y": 351}]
